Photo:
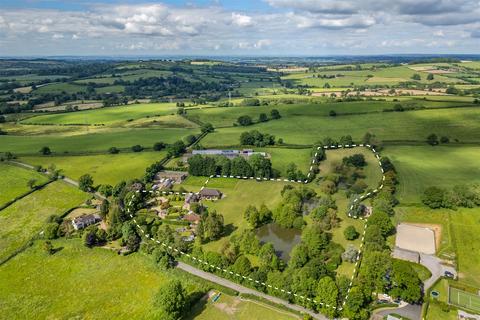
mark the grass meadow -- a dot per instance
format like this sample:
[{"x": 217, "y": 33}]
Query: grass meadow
[
  {"x": 81, "y": 283},
  {"x": 95, "y": 141},
  {"x": 14, "y": 181},
  {"x": 305, "y": 128},
  {"x": 105, "y": 168},
  {"x": 420, "y": 167},
  {"x": 106, "y": 115},
  {"x": 25, "y": 218}
]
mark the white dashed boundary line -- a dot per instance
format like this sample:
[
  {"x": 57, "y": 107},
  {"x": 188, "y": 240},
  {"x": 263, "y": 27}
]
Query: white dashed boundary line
[{"x": 203, "y": 262}]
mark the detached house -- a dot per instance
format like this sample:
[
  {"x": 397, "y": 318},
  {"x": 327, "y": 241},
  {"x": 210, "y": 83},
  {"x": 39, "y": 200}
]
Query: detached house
[
  {"x": 210, "y": 194},
  {"x": 85, "y": 220}
]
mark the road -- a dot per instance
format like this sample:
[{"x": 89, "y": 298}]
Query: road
[
  {"x": 232, "y": 285},
  {"x": 436, "y": 267},
  {"x": 413, "y": 312}
]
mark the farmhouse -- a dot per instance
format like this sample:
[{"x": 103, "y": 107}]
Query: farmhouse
[
  {"x": 193, "y": 218},
  {"x": 85, "y": 220},
  {"x": 210, "y": 194},
  {"x": 174, "y": 176}
]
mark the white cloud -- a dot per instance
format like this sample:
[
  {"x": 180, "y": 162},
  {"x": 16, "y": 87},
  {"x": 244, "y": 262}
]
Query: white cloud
[{"x": 241, "y": 20}]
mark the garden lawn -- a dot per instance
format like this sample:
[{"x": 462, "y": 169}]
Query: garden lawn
[
  {"x": 14, "y": 181},
  {"x": 420, "y": 167},
  {"x": 24, "y": 219},
  {"x": 237, "y": 198},
  {"x": 105, "y": 168}
]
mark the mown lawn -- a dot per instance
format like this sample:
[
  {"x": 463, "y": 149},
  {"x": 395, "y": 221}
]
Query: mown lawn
[
  {"x": 105, "y": 168},
  {"x": 25, "y": 218},
  {"x": 420, "y": 167},
  {"x": 13, "y": 182}
]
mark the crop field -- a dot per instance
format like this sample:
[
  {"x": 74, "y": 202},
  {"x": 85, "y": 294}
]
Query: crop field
[
  {"x": 25, "y": 218},
  {"x": 105, "y": 168},
  {"x": 97, "y": 141},
  {"x": 106, "y": 115},
  {"x": 416, "y": 125},
  {"x": 443, "y": 166},
  {"x": 14, "y": 181}
]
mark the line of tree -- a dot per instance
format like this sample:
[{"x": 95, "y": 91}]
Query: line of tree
[
  {"x": 465, "y": 196},
  {"x": 256, "y": 138},
  {"x": 256, "y": 166}
]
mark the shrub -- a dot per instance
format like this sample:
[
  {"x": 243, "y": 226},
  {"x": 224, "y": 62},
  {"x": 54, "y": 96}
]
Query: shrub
[{"x": 350, "y": 233}]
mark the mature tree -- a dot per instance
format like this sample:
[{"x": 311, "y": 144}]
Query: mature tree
[
  {"x": 356, "y": 160},
  {"x": 51, "y": 231},
  {"x": 113, "y": 150},
  {"x": 45, "y": 151},
  {"x": 242, "y": 266},
  {"x": 332, "y": 113},
  {"x": 375, "y": 266},
  {"x": 85, "y": 183},
  {"x": 245, "y": 120},
  {"x": 298, "y": 256},
  {"x": 327, "y": 294},
  {"x": 444, "y": 139},
  {"x": 240, "y": 167},
  {"x": 430, "y": 76},
  {"x": 190, "y": 139},
  {"x": 158, "y": 146},
  {"x": 162, "y": 259},
  {"x": 137, "y": 148},
  {"x": 374, "y": 240},
  {"x": 171, "y": 299},
  {"x": 354, "y": 306},
  {"x": 211, "y": 226},
  {"x": 262, "y": 117},
  {"x": 90, "y": 236},
  {"x": 261, "y": 166},
  {"x": 432, "y": 139},
  {"x": 350, "y": 233},
  {"x": 434, "y": 197},
  {"x": 417, "y": 77},
  {"x": 275, "y": 114},
  {"x": 104, "y": 207},
  {"x": 383, "y": 221},
  {"x": 406, "y": 284},
  {"x": 176, "y": 149},
  {"x": 105, "y": 189},
  {"x": 207, "y": 127}
]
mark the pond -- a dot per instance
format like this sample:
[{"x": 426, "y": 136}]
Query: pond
[{"x": 283, "y": 239}]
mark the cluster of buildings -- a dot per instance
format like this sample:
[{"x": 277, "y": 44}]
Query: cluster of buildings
[
  {"x": 230, "y": 154},
  {"x": 84, "y": 221}
]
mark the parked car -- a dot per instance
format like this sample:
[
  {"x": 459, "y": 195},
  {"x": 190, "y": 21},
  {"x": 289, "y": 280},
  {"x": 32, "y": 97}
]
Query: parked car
[{"x": 448, "y": 274}]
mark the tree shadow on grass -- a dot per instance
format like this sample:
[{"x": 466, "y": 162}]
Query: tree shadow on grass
[
  {"x": 198, "y": 302},
  {"x": 229, "y": 229}
]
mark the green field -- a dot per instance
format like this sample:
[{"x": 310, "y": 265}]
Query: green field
[
  {"x": 24, "y": 219},
  {"x": 282, "y": 157},
  {"x": 106, "y": 115},
  {"x": 35, "y": 285},
  {"x": 228, "y": 307},
  {"x": 105, "y": 168},
  {"x": 464, "y": 299},
  {"x": 56, "y": 88},
  {"x": 306, "y": 128},
  {"x": 14, "y": 181},
  {"x": 96, "y": 141},
  {"x": 421, "y": 167}
]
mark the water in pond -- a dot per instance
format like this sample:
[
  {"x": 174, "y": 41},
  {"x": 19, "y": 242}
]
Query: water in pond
[{"x": 283, "y": 239}]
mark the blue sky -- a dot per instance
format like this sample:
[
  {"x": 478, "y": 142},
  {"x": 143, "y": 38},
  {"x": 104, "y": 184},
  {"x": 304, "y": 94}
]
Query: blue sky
[{"x": 263, "y": 27}]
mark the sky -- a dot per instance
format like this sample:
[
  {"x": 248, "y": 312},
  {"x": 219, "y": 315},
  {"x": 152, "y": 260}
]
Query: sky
[{"x": 238, "y": 27}]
